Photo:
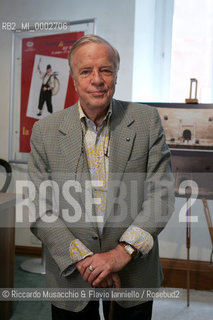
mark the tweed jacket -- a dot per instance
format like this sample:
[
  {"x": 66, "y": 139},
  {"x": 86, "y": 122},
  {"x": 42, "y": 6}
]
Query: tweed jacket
[{"x": 139, "y": 173}]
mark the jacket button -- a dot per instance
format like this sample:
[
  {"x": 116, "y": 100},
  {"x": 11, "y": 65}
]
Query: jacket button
[{"x": 95, "y": 237}]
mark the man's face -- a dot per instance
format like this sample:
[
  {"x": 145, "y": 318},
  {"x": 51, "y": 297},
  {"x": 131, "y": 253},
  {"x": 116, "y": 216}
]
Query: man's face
[{"x": 94, "y": 75}]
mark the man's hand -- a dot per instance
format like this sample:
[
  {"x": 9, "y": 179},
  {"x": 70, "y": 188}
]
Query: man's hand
[
  {"x": 112, "y": 280},
  {"x": 103, "y": 264}
]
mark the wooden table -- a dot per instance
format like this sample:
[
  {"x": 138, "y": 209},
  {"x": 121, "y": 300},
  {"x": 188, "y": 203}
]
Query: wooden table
[{"x": 7, "y": 249}]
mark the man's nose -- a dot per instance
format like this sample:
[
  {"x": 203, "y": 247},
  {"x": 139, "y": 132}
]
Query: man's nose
[{"x": 97, "y": 78}]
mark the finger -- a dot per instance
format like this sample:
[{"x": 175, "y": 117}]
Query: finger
[
  {"x": 86, "y": 274},
  {"x": 90, "y": 276},
  {"x": 106, "y": 283},
  {"x": 83, "y": 264},
  {"x": 93, "y": 275},
  {"x": 95, "y": 264},
  {"x": 100, "y": 278},
  {"x": 84, "y": 267}
]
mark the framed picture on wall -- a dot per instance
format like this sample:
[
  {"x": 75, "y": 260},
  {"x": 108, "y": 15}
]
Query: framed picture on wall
[
  {"x": 189, "y": 134},
  {"x": 187, "y": 126}
]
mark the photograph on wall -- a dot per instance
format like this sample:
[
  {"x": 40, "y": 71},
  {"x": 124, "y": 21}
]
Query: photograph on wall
[
  {"x": 46, "y": 84},
  {"x": 188, "y": 128}
]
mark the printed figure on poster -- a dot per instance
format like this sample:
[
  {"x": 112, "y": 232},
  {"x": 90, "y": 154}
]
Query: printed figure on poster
[{"x": 48, "y": 86}]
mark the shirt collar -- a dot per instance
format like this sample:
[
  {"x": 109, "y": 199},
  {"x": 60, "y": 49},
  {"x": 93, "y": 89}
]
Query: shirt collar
[{"x": 83, "y": 116}]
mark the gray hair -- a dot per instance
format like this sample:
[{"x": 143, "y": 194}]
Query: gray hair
[{"x": 88, "y": 39}]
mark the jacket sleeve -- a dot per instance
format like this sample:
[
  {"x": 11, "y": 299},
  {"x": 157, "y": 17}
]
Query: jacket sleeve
[{"x": 159, "y": 200}]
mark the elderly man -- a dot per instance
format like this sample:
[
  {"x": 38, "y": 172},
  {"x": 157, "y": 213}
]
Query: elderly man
[{"x": 117, "y": 150}]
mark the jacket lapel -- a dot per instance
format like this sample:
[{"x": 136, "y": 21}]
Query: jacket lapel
[
  {"x": 121, "y": 139},
  {"x": 70, "y": 138}
]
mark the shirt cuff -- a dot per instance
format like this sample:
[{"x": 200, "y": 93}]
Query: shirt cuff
[
  {"x": 138, "y": 238},
  {"x": 78, "y": 251}
]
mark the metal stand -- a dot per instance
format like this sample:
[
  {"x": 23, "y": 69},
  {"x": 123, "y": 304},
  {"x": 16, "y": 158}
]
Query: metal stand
[
  {"x": 188, "y": 244},
  {"x": 210, "y": 226},
  {"x": 37, "y": 265}
]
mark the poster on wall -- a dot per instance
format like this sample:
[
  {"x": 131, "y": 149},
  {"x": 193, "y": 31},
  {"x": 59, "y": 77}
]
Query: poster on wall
[{"x": 46, "y": 85}]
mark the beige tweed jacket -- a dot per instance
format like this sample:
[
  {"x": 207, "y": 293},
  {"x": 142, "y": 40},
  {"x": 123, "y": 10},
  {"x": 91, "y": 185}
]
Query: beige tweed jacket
[{"x": 139, "y": 175}]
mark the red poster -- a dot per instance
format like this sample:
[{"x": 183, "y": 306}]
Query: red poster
[{"x": 46, "y": 85}]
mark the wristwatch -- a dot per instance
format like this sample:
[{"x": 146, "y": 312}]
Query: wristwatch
[{"x": 129, "y": 249}]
